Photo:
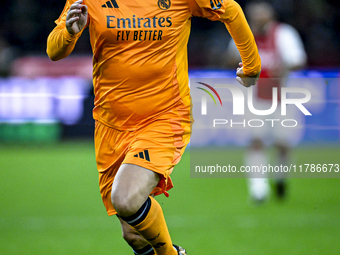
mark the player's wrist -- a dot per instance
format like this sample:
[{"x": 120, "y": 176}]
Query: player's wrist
[
  {"x": 251, "y": 73},
  {"x": 70, "y": 36}
]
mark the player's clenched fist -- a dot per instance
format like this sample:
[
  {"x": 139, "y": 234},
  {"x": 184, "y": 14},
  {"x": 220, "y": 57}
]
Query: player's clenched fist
[
  {"x": 76, "y": 17},
  {"x": 246, "y": 80}
]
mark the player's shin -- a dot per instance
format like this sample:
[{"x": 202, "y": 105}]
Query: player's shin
[{"x": 150, "y": 223}]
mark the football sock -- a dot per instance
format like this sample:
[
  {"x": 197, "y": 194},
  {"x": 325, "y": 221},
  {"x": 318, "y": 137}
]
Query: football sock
[
  {"x": 150, "y": 223},
  {"x": 283, "y": 160},
  {"x": 258, "y": 183},
  {"x": 147, "y": 250}
]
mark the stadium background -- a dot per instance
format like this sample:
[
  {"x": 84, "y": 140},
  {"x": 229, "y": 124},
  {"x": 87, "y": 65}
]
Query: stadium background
[{"x": 50, "y": 202}]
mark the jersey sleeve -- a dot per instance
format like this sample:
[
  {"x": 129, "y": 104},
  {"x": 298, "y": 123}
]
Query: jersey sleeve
[
  {"x": 211, "y": 9},
  {"x": 231, "y": 14},
  {"x": 60, "y": 43}
]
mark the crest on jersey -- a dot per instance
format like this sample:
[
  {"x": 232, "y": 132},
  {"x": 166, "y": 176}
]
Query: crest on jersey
[{"x": 164, "y": 4}]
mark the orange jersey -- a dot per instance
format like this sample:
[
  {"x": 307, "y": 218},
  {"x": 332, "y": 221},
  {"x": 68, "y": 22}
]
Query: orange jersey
[{"x": 140, "y": 70}]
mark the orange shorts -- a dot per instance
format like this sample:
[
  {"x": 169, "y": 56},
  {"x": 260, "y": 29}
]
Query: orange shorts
[{"x": 157, "y": 147}]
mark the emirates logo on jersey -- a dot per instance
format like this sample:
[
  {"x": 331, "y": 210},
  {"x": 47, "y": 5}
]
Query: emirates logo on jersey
[{"x": 164, "y": 4}]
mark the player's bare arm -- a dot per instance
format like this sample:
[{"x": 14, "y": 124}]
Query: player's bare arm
[
  {"x": 246, "y": 80},
  {"x": 76, "y": 18}
]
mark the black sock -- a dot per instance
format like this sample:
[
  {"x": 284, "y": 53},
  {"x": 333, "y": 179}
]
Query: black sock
[
  {"x": 147, "y": 250},
  {"x": 140, "y": 215}
]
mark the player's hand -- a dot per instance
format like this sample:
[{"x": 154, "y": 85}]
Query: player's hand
[
  {"x": 246, "y": 80},
  {"x": 76, "y": 18}
]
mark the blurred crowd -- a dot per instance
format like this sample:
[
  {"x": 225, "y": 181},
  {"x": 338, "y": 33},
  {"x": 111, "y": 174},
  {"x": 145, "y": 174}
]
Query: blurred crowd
[{"x": 25, "y": 25}]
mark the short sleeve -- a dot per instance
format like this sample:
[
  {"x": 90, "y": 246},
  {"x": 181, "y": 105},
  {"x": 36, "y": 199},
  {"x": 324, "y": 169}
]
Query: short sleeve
[{"x": 211, "y": 9}]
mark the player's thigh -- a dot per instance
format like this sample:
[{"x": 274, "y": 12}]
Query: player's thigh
[
  {"x": 258, "y": 129},
  {"x": 110, "y": 148}
]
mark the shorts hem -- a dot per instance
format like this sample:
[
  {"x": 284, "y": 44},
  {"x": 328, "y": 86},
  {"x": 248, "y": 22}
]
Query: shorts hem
[{"x": 111, "y": 213}]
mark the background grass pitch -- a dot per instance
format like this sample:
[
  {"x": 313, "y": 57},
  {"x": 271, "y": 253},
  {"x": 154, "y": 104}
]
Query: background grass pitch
[{"x": 50, "y": 204}]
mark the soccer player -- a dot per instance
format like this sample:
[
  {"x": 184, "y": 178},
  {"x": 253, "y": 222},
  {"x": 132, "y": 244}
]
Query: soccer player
[
  {"x": 142, "y": 99},
  {"x": 282, "y": 51}
]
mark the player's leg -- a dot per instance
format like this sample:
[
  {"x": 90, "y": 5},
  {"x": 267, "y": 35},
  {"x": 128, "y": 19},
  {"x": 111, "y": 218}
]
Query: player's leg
[
  {"x": 123, "y": 160},
  {"x": 108, "y": 163},
  {"x": 131, "y": 187},
  {"x": 135, "y": 240},
  {"x": 130, "y": 198},
  {"x": 283, "y": 151},
  {"x": 283, "y": 138},
  {"x": 258, "y": 183},
  {"x": 255, "y": 156},
  {"x": 138, "y": 243}
]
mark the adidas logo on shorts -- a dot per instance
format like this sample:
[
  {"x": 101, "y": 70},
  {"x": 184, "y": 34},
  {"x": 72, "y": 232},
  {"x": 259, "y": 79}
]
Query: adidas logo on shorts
[{"x": 143, "y": 155}]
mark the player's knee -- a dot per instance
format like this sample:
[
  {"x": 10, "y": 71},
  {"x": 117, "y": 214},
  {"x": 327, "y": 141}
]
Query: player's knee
[
  {"x": 282, "y": 148},
  {"x": 123, "y": 204},
  {"x": 257, "y": 144}
]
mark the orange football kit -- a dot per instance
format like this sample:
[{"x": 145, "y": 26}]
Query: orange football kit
[{"x": 140, "y": 78}]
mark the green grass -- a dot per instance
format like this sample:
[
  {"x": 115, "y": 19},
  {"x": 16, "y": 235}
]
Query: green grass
[{"x": 50, "y": 204}]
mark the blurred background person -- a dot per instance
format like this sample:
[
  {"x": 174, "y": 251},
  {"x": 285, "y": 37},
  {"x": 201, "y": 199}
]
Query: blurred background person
[
  {"x": 281, "y": 50},
  {"x": 7, "y": 55}
]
